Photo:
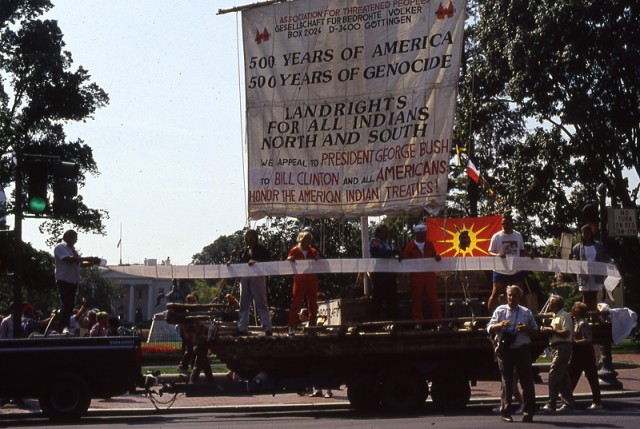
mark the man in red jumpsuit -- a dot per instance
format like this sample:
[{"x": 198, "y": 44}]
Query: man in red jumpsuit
[{"x": 422, "y": 283}]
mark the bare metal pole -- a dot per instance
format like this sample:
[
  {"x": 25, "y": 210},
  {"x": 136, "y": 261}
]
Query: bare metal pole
[
  {"x": 17, "y": 250},
  {"x": 364, "y": 234}
]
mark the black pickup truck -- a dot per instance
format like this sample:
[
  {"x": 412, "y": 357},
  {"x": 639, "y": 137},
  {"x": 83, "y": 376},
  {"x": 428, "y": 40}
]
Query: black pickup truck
[{"x": 65, "y": 373}]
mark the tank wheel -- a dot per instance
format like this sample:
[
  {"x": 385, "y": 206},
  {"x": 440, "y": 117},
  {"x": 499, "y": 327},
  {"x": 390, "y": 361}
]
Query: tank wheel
[
  {"x": 364, "y": 394},
  {"x": 404, "y": 390},
  {"x": 450, "y": 391},
  {"x": 65, "y": 397}
]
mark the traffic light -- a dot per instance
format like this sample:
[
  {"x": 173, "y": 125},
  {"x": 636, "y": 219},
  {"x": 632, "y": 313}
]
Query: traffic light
[
  {"x": 591, "y": 217},
  {"x": 37, "y": 171},
  {"x": 65, "y": 188}
]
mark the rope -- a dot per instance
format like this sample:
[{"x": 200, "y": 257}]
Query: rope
[{"x": 242, "y": 130}]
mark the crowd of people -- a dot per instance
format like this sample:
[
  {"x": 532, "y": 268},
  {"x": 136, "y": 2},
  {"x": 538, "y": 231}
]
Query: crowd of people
[{"x": 93, "y": 323}]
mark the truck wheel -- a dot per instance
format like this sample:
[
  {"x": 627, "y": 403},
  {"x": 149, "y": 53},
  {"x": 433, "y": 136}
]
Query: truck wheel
[
  {"x": 364, "y": 394},
  {"x": 451, "y": 391},
  {"x": 65, "y": 397},
  {"x": 403, "y": 390}
]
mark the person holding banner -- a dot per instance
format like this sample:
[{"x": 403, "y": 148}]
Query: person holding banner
[
  {"x": 385, "y": 289},
  {"x": 253, "y": 288},
  {"x": 507, "y": 243},
  {"x": 424, "y": 283},
  {"x": 589, "y": 250},
  {"x": 304, "y": 285}
]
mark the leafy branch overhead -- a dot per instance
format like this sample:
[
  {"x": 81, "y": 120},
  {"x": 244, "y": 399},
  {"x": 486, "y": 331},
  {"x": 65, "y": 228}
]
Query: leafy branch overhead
[{"x": 40, "y": 91}]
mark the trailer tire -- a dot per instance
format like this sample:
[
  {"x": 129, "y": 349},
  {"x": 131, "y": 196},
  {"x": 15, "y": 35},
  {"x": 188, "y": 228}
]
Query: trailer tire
[
  {"x": 404, "y": 390},
  {"x": 65, "y": 397},
  {"x": 450, "y": 391},
  {"x": 364, "y": 394}
]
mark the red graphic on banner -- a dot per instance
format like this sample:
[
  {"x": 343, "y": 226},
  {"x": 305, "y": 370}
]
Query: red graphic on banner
[
  {"x": 469, "y": 236},
  {"x": 443, "y": 13},
  {"x": 262, "y": 37}
]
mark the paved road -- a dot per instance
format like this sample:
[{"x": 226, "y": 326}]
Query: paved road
[{"x": 618, "y": 413}]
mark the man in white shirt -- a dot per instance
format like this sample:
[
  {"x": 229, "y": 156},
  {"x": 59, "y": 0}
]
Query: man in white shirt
[
  {"x": 68, "y": 263},
  {"x": 507, "y": 243}
]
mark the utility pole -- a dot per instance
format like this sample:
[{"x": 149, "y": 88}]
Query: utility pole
[
  {"x": 17, "y": 250},
  {"x": 606, "y": 374}
]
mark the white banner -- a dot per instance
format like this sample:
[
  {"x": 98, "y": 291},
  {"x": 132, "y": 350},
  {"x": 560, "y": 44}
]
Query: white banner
[
  {"x": 286, "y": 268},
  {"x": 350, "y": 105}
]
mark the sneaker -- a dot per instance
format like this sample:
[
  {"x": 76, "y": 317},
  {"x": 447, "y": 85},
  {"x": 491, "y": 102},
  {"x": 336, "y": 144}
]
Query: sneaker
[
  {"x": 566, "y": 409},
  {"x": 548, "y": 408},
  {"x": 594, "y": 407},
  {"x": 328, "y": 395},
  {"x": 496, "y": 410},
  {"x": 316, "y": 394},
  {"x": 507, "y": 419}
]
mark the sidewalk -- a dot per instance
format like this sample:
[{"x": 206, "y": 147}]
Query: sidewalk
[{"x": 484, "y": 393}]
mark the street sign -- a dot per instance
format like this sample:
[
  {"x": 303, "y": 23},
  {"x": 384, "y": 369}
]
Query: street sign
[{"x": 622, "y": 222}]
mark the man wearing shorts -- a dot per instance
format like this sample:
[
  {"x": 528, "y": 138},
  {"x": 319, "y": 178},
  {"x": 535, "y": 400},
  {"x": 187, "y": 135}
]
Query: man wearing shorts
[{"x": 507, "y": 243}]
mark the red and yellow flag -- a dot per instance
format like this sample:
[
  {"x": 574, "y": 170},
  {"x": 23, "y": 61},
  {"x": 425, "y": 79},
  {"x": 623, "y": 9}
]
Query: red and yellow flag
[{"x": 468, "y": 236}]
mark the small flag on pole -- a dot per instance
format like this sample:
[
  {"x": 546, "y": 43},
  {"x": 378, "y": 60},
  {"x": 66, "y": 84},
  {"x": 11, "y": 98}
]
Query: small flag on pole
[{"x": 473, "y": 172}]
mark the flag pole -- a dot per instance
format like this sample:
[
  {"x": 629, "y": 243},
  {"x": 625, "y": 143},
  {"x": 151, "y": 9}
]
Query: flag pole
[{"x": 120, "y": 243}]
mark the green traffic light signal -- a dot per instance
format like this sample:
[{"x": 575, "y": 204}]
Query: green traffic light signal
[
  {"x": 36, "y": 170},
  {"x": 37, "y": 205}
]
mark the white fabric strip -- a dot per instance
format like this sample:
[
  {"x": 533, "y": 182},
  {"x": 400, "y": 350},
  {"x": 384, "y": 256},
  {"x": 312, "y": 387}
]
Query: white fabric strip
[{"x": 285, "y": 268}]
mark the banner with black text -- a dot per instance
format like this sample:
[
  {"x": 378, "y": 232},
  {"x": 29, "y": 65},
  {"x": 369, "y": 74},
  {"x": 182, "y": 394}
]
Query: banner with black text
[{"x": 350, "y": 105}]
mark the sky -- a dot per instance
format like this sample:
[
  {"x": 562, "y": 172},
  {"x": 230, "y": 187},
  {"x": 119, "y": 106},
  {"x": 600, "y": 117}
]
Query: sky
[{"x": 169, "y": 143}]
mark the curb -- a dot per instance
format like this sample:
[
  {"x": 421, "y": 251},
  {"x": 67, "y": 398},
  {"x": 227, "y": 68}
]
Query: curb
[{"x": 343, "y": 405}]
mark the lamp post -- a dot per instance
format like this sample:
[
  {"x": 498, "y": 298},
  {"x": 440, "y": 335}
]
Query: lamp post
[{"x": 606, "y": 374}]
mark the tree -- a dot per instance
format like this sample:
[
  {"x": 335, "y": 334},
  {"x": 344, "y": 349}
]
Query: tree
[
  {"x": 38, "y": 279},
  {"x": 334, "y": 238},
  {"x": 550, "y": 108},
  {"x": 100, "y": 292},
  {"x": 39, "y": 93}
]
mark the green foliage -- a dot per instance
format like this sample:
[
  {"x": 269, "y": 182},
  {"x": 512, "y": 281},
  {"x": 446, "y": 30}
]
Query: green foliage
[
  {"x": 39, "y": 93},
  {"x": 549, "y": 109},
  {"x": 334, "y": 238},
  {"x": 38, "y": 276},
  {"x": 99, "y": 291}
]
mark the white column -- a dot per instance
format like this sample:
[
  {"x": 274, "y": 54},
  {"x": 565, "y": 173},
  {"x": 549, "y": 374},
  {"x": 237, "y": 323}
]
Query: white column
[
  {"x": 132, "y": 309},
  {"x": 150, "y": 301}
]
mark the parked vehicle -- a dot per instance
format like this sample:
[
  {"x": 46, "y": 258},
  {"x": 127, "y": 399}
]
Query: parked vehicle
[{"x": 65, "y": 373}]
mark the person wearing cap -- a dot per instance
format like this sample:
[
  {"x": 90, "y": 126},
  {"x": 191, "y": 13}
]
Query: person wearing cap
[
  {"x": 68, "y": 263},
  {"x": 506, "y": 243},
  {"x": 422, "y": 283}
]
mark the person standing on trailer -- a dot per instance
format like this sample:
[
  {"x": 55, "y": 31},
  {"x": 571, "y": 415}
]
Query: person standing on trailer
[
  {"x": 422, "y": 283},
  {"x": 304, "y": 285}
]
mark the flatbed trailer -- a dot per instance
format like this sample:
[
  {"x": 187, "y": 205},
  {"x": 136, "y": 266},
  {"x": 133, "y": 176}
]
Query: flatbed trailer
[{"x": 383, "y": 364}]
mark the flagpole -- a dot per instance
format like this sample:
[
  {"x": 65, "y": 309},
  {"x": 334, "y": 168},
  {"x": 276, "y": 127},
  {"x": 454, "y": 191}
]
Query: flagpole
[{"x": 120, "y": 243}]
